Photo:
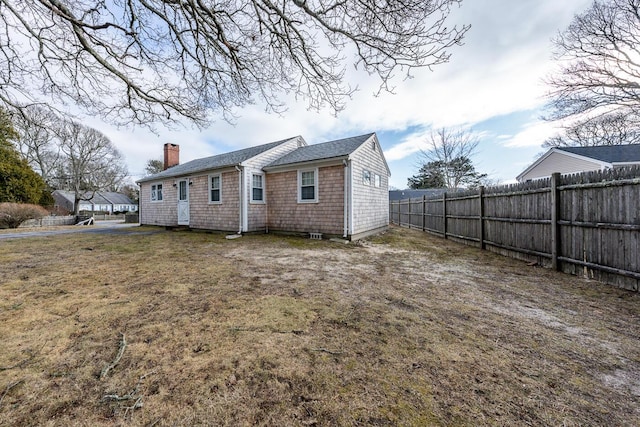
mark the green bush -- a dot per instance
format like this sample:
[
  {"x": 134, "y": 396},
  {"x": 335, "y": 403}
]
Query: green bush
[{"x": 14, "y": 214}]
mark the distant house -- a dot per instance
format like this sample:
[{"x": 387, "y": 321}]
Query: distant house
[
  {"x": 414, "y": 194},
  {"x": 568, "y": 160},
  {"x": 99, "y": 201},
  {"x": 336, "y": 188}
]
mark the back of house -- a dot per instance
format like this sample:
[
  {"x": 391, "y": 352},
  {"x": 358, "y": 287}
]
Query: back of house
[{"x": 337, "y": 188}]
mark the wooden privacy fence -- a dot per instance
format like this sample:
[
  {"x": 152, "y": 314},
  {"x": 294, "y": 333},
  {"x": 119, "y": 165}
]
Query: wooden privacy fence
[{"x": 584, "y": 224}]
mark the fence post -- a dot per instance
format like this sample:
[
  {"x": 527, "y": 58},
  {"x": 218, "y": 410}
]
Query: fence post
[
  {"x": 409, "y": 211},
  {"x": 424, "y": 206},
  {"x": 399, "y": 209},
  {"x": 481, "y": 216},
  {"x": 444, "y": 214},
  {"x": 555, "y": 214}
]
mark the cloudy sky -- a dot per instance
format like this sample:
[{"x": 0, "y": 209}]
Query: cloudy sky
[{"x": 492, "y": 85}]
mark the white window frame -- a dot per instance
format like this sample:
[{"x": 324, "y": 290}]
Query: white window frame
[
  {"x": 366, "y": 177},
  {"x": 315, "y": 185},
  {"x": 262, "y": 179},
  {"x": 154, "y": 192},
  {"x": 210, "y": 188},
  {"x": 377, "y": 180}
]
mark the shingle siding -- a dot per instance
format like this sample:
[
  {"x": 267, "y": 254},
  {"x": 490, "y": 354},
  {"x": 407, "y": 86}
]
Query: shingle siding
[
  {"x": 370, "y": 203},
  {"x": 286, "y": 214},
  {"x": 257, "y": 212},
  {"x": 222, "y": 216},
  {"x": 164, "y": 212}
]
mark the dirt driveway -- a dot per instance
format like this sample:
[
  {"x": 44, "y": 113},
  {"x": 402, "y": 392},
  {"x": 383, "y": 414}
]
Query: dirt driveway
[{"x": 400, "y": 329}]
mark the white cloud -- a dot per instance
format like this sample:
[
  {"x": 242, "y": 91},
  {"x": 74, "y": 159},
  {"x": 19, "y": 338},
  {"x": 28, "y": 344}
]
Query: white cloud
[
  {"x": 532, "y": 134},
  {"x": 411, "y": 144},
  {"x": 497, "y": 71}
]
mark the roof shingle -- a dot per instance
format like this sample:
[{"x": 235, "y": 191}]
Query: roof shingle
[
  {"x": 215, "y": 162},
  {"x": 608, "y": 153},
  {"x": 325, "y": 150}
]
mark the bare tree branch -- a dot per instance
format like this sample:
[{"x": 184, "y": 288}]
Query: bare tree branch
[
  {"x": 142, "y": 61},
  {"x": 598, "y": 82}
]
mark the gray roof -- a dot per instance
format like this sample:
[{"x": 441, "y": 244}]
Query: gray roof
[
  {"x": 99, "y": 197},
  {"x": 116, "y": 198},
  {"x": 608, "y": 153},
  {"x": 325, "y": 150},
  {"x": 215, "y": 162}
]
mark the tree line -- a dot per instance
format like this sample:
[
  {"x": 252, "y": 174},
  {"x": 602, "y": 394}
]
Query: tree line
[{"x": 43, "y": 152}]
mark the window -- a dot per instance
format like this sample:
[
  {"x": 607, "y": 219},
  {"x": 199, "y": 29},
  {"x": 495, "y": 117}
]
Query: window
[
  {"x": 215, "y": 188},
  {"x": 377, "y": 180},
  {"x": 156, "y": 192},
  {"x": 182, "y": 190},
  {"x": 366, "y": 177},
  {"x": 257, "y": 188},
  {"x": 307, "y": 186}
]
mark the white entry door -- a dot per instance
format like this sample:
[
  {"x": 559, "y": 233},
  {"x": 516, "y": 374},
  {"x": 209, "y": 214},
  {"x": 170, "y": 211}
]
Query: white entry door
[{"x": 183, "y": 202}]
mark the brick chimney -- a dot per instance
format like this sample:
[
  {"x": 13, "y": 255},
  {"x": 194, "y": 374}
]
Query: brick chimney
[{"x": 171, "y": 155}]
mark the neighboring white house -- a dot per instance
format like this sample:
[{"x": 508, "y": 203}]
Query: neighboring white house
[
  {"x": 568, "y": 160},
  {"x": 100, "y": 201}
]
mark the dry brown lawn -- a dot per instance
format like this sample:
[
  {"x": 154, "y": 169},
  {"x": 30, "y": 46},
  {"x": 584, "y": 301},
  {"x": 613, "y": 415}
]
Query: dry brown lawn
[{"x": 401, "y": 329}]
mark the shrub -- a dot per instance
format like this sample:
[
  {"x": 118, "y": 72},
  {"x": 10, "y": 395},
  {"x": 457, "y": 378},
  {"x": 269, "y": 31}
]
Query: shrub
[{"x": 14, "y": 214}]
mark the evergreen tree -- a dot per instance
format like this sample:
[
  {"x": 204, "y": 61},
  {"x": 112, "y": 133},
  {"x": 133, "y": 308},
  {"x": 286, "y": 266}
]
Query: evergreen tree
[
  {"x": 429, "y": 176},
  {"x": 18, "y": 182},
  {"x": 456, "y": 173}
]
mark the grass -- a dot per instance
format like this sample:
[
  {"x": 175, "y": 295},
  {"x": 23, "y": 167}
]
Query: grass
[{"x": 402, "y": 329}]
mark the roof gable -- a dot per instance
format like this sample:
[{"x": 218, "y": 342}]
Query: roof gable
[
  {"x": 323, "y": 151},
  {"x": 215, "y": 162}
]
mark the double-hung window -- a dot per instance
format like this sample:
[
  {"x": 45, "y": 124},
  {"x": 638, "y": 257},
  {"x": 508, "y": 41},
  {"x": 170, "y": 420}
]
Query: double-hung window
[
  {"x": 376, "y": 180},
  {"x": 156, "y": 192},
  {"x": 215, "y": 188},
  {"x": 257, "y": 187},
  {"x": 308, "y": 186}
]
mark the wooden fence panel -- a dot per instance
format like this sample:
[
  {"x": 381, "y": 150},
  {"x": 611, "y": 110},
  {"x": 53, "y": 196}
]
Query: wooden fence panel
[
  {"x": 434, "y": 220},
  {"x": 583, "y": 224},
  {"x": 463, "y": 217}
]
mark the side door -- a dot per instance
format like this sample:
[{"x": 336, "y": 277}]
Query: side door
[{"x": 183, "y": 202}]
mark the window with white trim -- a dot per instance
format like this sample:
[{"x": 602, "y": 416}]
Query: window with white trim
[
  {"x": 215, "y": 188},
  {"x": 376, "y": 180},
  {"x": 257, "y": 187},
  {"x": 366, "y": 177},
  {"x": 308, "y": 186},
  {"x": 156, "y": 192}
]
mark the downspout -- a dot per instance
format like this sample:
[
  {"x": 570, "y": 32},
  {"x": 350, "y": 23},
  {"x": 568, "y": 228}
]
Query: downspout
[
  {"x": 351, "y": 224},
  {"x": 346, "y": 198},
  {"x": 266, "y": 205},
  {"x": 239, "y": 169}
]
